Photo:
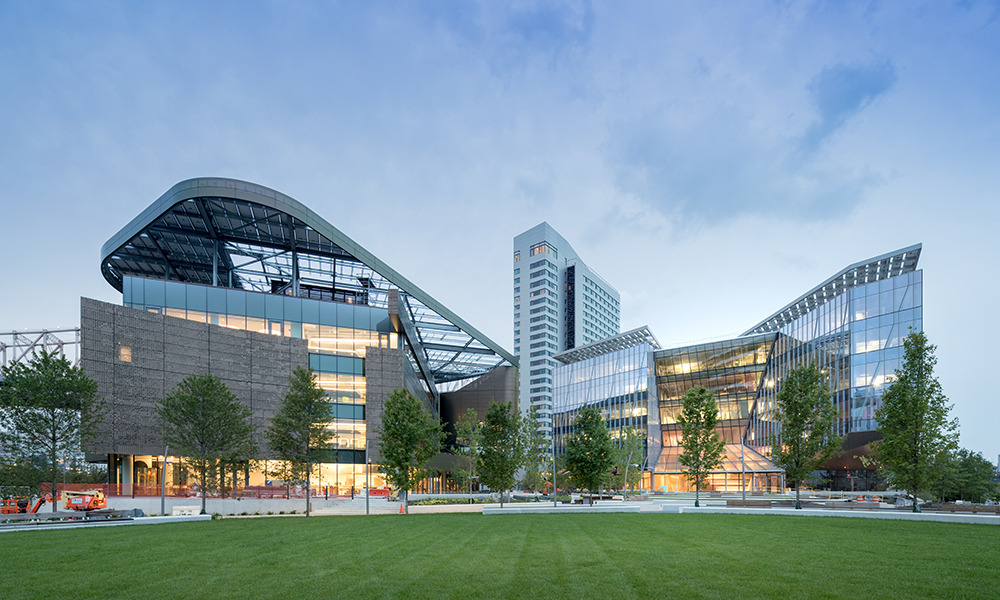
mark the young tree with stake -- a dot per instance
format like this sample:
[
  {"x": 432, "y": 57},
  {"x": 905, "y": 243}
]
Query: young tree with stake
[
  {"x": 807, "y": 422},
  {"x": 408, "y": 437},
  {"x": 502, "y": 452},
  {"x": 703, "y": 448},
  {"x": 589, "y": 450},
  {"x": 300, "y": 431},
  {"x": 913, "y": 420},
  {"x": 468, "y": 439},
  {"x": 207, "y": 425}
]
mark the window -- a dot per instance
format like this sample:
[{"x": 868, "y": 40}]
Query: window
[
  {"x": 517, "y": 255},
  {"x": 543, "y": 247}
]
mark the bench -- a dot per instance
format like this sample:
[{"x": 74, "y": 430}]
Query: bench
[
  {"x": 969, "y": 508},
  {"x": 179, "y": 511},
  {"x": 853, "y": 505},
  {"x": 714, "y": 494},
  {"x": 748, "y": 504}
]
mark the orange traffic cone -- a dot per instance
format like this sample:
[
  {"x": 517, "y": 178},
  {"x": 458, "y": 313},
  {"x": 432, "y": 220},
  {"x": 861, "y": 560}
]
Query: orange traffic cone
[{"x": 400, "y": 508}]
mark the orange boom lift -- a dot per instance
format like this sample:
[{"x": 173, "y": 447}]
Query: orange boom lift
[{"x": 88, "y": 500}]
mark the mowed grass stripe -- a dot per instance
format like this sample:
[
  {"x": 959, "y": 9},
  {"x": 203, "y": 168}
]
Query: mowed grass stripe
[{"x": 511, "y": 556}]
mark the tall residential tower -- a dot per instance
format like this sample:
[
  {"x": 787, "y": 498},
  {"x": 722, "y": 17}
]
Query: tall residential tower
[{"x": 559, "y": 303}]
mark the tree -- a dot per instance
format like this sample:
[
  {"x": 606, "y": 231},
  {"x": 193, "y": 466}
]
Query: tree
[
  {"x": 913, "y": 419},
  {"x": 589, "y": 451},
  {"x": 502, "y": 452},
  {"x": 408, "y": 437},
  {"x": 807, "y": 419},
  {"x": 974, "y": 477},
  {"x": 627, "y": 472},
  {"x": 48, "y": 410},
  {"x": 207, "y": 425},
  {"x": 536, "y": 451},
  {"x": 468, "y": 435},
  {"x": 703, "y": 447},
  {"x": 299, "y": 433}
]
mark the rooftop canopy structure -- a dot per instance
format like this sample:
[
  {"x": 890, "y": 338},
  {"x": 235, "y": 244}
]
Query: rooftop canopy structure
[
  {"x": 881, "y": 267},
  {"x": 628, "y": 339},
  {"x": 230, "y": 233}
]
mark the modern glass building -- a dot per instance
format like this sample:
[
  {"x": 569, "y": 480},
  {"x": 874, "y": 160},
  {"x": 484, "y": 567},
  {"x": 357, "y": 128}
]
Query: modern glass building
[
  {"x": 226, "y": 277},
  {"x": 851, "y": 326},
  {"x": 611, "y": 375}
]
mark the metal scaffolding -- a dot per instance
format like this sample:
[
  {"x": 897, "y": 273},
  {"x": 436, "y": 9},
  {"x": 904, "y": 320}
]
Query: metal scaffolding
[{"x": 18, "y": 346}]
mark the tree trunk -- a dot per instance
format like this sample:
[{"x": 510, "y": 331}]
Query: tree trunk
[
  {"x": 308, "y": 474},
  {"x": 55, "y": 473},
  {"x": 798, "y": 504},
  {"x": 916, "y": 505},
  {"x": 697, "y": 489},
  {"x": 204, "y": 481}
]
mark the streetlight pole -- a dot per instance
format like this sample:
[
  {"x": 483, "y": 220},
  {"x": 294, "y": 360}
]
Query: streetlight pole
[
  {"x": 743, "y": 473},
  {"x": 163, "y": 482},
  {"x": 555, "y": 490},
  {"x": 368, "y": 481}
]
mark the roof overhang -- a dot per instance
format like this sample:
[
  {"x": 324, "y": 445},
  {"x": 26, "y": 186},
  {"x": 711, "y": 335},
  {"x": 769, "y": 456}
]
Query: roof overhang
[
  {"x": 179, "y": 237},
  {"x": 634, "y": 337},
  {"x": 874, "y": 269}
]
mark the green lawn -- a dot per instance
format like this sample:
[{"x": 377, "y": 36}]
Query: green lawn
[{"x": 460, "y": 556}]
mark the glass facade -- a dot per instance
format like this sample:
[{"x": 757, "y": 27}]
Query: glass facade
[
  {"x": 852, "y": 327},
  {"x": 856, "y": 337},
  {"x": 615, "y": 383},
  {"x": 731, "y": 370},
  {"x": 338, "y": 335}
]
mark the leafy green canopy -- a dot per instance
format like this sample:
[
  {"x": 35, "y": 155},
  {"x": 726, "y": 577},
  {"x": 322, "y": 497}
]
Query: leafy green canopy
[
  {"x": 807, "y": 419},
  {"x": 963, "y": 475},
  {"x": 628, "y": 459},
  {"x": 503, "y": 451},
  {"x": 703, "y": 447},
  {"x": 48, "y": 410},
  {"x": 536, "y": 451},
  {"x": 408, "y": 437},
  {"x": 589, "y": 451},
  {"x": 299, "y": 434},
  {"x": 207, "y": 425},
  {"x": 913, "y": 419},
  {"x": 468, "y": 441}
]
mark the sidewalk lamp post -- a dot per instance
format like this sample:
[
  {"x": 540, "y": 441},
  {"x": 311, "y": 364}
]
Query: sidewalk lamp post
[
  {"x": 163, "y": 482},
  {"x": 743, "y": 473},
  {"x": 555, "y": 488}
]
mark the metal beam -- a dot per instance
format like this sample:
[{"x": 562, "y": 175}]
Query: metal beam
[{"x": 457, "y": 349}]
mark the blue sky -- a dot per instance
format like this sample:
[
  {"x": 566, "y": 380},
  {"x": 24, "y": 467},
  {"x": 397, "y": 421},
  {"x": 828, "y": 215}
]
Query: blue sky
[{"x": 712, "y": 160}]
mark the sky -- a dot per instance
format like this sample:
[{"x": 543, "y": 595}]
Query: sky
[{"x": 713, "y": 161}]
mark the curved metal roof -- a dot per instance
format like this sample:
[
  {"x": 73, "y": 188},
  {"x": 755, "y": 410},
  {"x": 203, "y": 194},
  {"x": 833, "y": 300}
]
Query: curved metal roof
[{"x": 219, "y": 231}]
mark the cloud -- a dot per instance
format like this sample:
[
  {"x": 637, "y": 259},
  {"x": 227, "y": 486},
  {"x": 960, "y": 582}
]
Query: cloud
[
  {"x": 748, "y": 152},
  {"x": 842, "y": 91},
  {"x": 512, "y": 35}
]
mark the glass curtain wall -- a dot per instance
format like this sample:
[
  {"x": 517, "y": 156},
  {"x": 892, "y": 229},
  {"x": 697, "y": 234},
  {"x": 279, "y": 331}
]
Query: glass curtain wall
[
  {"x": 857, "y": 339},
  {"x": 615, "y": 383},
  {"x": 731, "y": 370}
]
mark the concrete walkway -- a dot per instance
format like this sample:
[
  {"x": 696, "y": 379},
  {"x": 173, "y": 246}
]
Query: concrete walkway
[{"x": 891, "y": 514}]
